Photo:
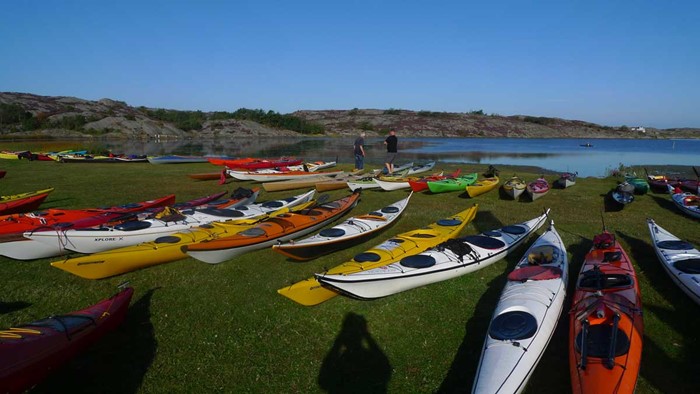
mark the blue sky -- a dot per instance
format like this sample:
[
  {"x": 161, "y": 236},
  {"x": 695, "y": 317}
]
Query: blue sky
[{"x": 609, "y": 62}]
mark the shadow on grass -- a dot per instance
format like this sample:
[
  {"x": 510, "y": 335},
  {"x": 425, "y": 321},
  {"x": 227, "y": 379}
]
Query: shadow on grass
[
  {"x": 609, "y": 203},
  {"x": 668, "y": 205},
  {"x": 7, "y": 307},
  {"x": 665, "y": 373},
  {"x": 115, "y": 364},
  {"x": 463, "y": 368},
  {"x": 355, "y": 363}
]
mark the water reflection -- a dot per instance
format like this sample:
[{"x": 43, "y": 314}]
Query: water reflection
[{"x": 550, "y": 154}]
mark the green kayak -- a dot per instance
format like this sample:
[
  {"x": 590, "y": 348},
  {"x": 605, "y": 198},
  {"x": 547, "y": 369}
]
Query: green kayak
[
  {"x": 640, "y": 184},
  {"x": 451, "y": 185}
]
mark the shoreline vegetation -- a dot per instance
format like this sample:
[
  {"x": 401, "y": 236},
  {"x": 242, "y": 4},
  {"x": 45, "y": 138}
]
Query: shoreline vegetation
[
  {"x": 29, "y": 116},
  {"x": 194, "y": 327}
]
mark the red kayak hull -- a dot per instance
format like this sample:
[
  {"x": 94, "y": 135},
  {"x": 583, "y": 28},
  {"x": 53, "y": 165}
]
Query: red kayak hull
[{"x": 29, "y": 353}]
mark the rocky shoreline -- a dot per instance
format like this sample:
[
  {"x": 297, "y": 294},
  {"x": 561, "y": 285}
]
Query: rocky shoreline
[{"x": 74, "y": 118}]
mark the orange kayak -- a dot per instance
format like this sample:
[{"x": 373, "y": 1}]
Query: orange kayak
[
  {"x": 606, "y": 326},
  {"x": 283, "y": 227}
]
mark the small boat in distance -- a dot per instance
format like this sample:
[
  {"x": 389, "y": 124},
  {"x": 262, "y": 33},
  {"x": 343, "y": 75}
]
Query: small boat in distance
[{"x": 587, "y": 145}]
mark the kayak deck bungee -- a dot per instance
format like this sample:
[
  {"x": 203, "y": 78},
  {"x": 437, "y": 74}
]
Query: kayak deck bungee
[
  {"x": 525, "y": 317},
  {"x": 162, "y": 250},
  {"x": 445, "y": 261},
  {"x": 605, "y": 321},
  {"x": 680, "y": 259},
  {"x": 309, "y": 292},
  {"x": 280, "y": 228},
  {"x": 350, "y": 232}
]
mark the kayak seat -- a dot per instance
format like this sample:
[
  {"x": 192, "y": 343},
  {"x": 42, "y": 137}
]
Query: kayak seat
[
  {"x": 690, "y": 266},
  {"x": 598, "y": 341},
  {"x": 449, "y": 222},
  {"x": 375, "y": 213},
  {"x": 332, "y": 232},
  {"x": 133, "y": 225},
  {"x": 390, "y": 209},
  {"x": 514, "y": 229},
  {"x": 367, "y": 256},
  {"x": 611, "y": 257},
  {"x": 513, "y": 326},
  {"x": 484, "y": 242},
  {"x": 674, "y": 245},
  {"x": 596, "y": 279},
  {"x": 492, "y": 233},
  {"x": 418, "y": 261},
  {"x": 272, "y": 204}
]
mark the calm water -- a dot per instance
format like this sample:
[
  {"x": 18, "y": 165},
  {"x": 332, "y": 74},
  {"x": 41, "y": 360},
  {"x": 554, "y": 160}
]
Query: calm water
[{"x": 551, "y": 154}]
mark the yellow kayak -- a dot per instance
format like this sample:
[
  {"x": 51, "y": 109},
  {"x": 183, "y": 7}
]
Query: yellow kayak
[
  {"x": 482, "y": 186},
  {"x": 20, "y": 196},
  {"x": 163, "y": 250},
  {"x": 310, "y": 292}
]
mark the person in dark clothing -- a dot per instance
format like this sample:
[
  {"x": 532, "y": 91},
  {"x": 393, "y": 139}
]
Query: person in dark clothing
[
  {"x": 391, "y": 143},
  {"x": 359, "y": 148}
]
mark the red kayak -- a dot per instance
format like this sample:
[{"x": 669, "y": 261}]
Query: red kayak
[
  {"x": 606, "y": 326},
  {"x": 258, "y": 164},
  {"x": 421, "y": 184},
  {"x": 19, "y": 223},
  {"x": 23, "y": 202},
  {"x": 30, "y": 352}
]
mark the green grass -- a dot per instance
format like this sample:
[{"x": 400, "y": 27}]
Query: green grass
[{"x": 194, "y": 327}]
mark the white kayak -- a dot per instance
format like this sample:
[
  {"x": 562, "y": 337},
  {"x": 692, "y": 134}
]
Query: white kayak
[
  {"x": 421, "y": 168},
  {"x": 392, "y": 185},
  {"x": 100, "y": 239},
  {"x": 688, "y": 203},
  {"x": 680, "y": 259},
  {"x": 525, "y": 317},
  {"x": 363, "y": 183},
  {"x": 446, "y": 261},
  {"x": 277, "y": 176},
  {"x": 350, "y": 232}
]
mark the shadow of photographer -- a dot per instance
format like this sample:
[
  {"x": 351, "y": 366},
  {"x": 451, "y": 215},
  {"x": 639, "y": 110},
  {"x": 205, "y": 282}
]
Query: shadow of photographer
[{"x": 355, "y": 363}]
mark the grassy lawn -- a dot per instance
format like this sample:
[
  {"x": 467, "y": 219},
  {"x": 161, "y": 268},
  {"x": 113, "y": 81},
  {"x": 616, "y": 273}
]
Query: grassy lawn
[{"x": 194, "y": 327}]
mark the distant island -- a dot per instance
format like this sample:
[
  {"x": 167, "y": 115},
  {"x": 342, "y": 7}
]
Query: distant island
[{"x": 25, "y": 115}]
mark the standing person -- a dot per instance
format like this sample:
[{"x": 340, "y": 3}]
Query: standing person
[
  {"x": 391, "y": 143},
  {"x": 359, "y": 148}
]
